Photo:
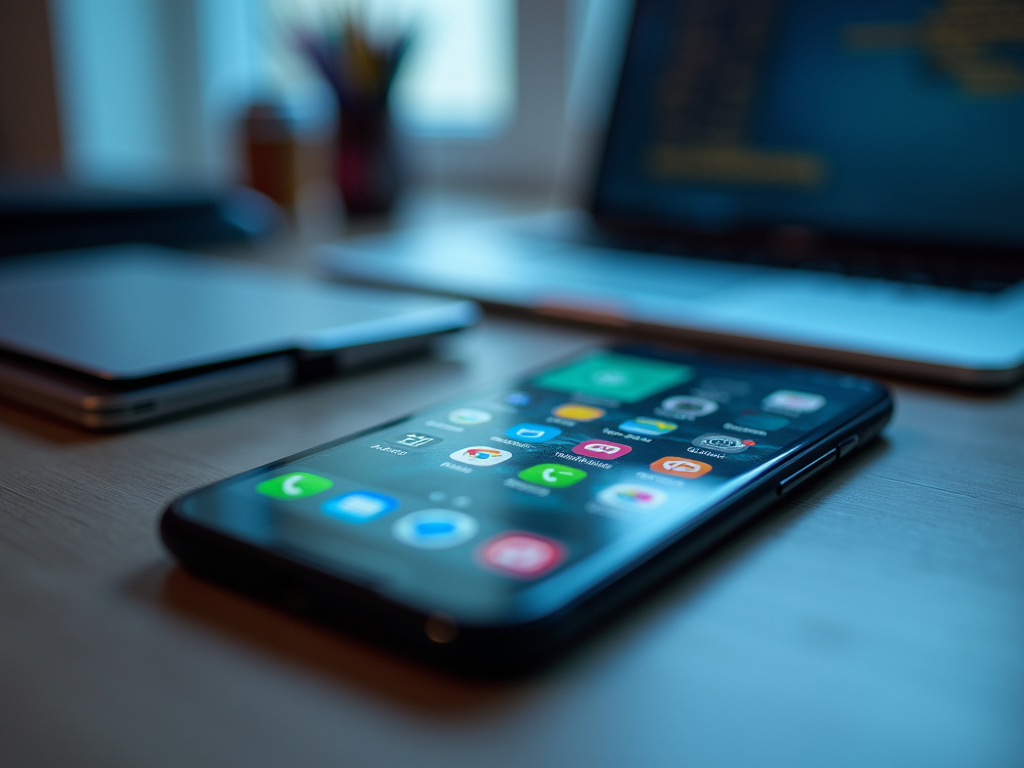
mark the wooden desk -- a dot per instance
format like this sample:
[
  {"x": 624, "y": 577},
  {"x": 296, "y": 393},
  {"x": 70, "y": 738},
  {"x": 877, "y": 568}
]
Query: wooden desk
[{"x": 876, "y": 618}]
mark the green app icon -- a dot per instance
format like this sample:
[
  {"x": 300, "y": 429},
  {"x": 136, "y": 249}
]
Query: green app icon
[
  {"x": 621, "y": 377},
  {"x": 294, "y": 485},
  {"x": 552, "y": 475}
]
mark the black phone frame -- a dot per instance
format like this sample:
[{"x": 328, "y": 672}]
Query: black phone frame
[{"x": 351, "y": 603}]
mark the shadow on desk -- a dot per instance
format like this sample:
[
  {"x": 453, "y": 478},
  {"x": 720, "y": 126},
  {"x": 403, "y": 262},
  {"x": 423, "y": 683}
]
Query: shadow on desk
[{"x": 333, "y": 655}]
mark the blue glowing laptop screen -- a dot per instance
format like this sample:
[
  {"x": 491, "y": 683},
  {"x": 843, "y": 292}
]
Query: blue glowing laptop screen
[{"x": 898, "y": 119}]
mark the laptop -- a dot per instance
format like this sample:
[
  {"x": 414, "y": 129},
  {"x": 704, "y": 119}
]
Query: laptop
[
  {"x": 840, "y": 182},
  {"x": 114, "y": 337}
]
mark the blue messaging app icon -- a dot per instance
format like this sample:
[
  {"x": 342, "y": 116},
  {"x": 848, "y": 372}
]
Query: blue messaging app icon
[
  {"x": 533, "y": 433},
  {"x": 358, "y": 506}
]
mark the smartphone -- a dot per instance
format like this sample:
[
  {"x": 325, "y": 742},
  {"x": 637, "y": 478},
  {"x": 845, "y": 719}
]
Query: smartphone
[{"x": 491, "y": 532}]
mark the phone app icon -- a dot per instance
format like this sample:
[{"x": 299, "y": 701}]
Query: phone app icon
[
  {"x": 620, "y": 377},
  {"x": 677, "y": 466},
  {"x": 552, "y": 475},
  {"x": 414, "y": 439},
  {"x": 631, "y": 497},
  {"x": 688, "y": 407},
  {"x": 294, "y": 485},
  {"x": 791, "y": 402},
  {"x": 722, "y": 443},
  {"x": 469, "y": 417},
  {"x": 533, "y": 433},
  {"x": 601, "y": 449},
  {"x": 481, "y": 455},
  {"x": 435, "y": 529},
  {"x": 521, "y": 555},
  {"x": 641, "y": 425},
  {"x": 358, "y": 506},
  {"x": 578, "y": 412}
]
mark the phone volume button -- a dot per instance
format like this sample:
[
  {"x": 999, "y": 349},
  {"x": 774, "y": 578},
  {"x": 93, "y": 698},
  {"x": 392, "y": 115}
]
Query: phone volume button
[
  {"x": 804, "y": 473},
  {"x": 846, "y": 446}
]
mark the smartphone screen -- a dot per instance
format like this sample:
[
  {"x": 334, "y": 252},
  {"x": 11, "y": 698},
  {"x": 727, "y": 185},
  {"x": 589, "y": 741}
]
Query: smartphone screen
[{"x": 507, "y": 503}]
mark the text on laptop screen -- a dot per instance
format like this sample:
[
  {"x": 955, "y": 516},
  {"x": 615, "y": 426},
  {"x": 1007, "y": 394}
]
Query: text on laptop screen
[{"x": 892, "y": 118}]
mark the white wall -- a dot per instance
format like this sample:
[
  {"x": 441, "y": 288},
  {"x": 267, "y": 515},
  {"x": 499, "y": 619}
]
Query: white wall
[
  {"x": 151, "y": 89},
  {"x": 154, "y": 89}
]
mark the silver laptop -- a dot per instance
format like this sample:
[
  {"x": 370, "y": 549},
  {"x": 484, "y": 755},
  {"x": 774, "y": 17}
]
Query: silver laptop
[
  {"x": 838, "y": 182},
  {"x": 114, "y": 337}
]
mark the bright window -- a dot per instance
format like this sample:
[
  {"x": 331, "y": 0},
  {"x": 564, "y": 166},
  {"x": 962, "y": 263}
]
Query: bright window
[{"x": 458, "y": 78}]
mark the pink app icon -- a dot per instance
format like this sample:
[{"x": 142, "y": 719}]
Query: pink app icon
[
  {"x": 521, "y": 555},
  {"x": 601, "y": 449}
]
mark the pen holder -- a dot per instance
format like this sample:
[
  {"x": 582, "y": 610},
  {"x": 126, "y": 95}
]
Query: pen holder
[{"x": 367, "y": 164}]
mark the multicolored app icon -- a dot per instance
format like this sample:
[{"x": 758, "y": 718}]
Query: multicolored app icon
[
  {"x": 642, "y": 425},
  {"x": 722, "y": 443},
  {"x": 358, "y": 506},
  {"x": 481, "y": 455},
  {"x": 677, "y": 466},
  {"x": 791, "y": 402},
  {"x": 601, "y": 449},
  {"x": 469, "y": 417},
  {"x": 578, "y": 412},
  {"x": 294, "y": 485},
  {"x": 631, "y": 497},
  {"x": 533, "y": 433},
  {"x": 688, "y": 407},
  {"x": 520, "y": 555},
  {"x": 619, "y": 377},
  {"x": 435, "y": 528},
  {"x": 414, "y": 439},
  {"x": 552, "y": 475}
]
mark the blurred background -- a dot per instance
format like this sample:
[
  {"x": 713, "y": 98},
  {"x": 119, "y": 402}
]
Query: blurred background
[{"x": 503, "y": 93}]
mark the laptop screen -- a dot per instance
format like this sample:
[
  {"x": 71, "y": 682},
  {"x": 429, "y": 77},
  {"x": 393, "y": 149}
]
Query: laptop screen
[{"x": 892, "y": 119}]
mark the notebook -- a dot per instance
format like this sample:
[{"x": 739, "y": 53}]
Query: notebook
[{"x": 117, "y": 336}]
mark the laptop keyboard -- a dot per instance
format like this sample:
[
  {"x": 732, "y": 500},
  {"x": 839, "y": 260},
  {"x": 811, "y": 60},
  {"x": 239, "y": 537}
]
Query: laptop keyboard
[
  {"x": 977, "y": 274},
  {"x": 985, "y": 278}
]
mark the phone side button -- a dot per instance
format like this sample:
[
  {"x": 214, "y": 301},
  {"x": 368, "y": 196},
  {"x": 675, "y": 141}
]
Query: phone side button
[
  {"x": 800, "y": 475},
  {"x": 846, "y": 446}
]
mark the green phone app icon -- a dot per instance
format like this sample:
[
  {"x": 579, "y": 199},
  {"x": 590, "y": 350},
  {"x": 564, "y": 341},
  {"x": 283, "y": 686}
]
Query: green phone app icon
[
  {"x": 294, "y": 485},
  {"x": 552, "y": 475}
]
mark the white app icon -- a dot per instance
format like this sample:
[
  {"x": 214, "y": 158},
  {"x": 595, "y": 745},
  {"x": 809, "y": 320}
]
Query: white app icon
[
  {"x": 469, "y": 416},
  {"x": 481, "y": 455},
  {"x": 631, "y": 497},
  {"x": 791, "y": 402},
  {"x": 689, "y": 407},
  {"x": 611, "y": 450},
  {"x": 683, "y": 466},
  {"x": 722, "y": 443},
  {"x": 435, "y": 528}
]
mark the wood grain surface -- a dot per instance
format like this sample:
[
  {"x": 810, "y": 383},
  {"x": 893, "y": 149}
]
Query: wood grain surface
[{"x": 874, "y": 619}]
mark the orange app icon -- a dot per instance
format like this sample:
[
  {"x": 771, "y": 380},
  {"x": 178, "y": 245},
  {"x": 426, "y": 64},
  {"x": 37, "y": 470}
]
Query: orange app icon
[
  {"x": 677, "y": 466},
  {"x": 578, "y": 412}
]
